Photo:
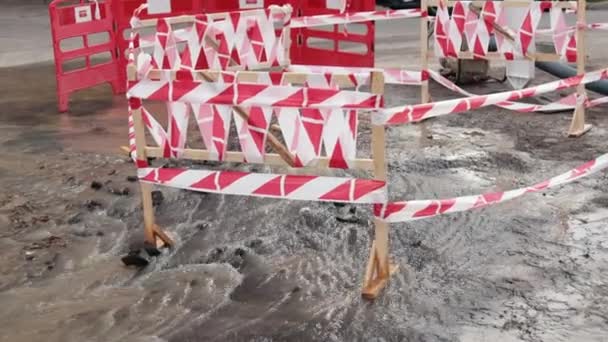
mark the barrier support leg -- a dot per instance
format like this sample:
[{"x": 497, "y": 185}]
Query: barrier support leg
[
  {"x": 154, "y": 236},
  {"x": 116, "y": 88},
  {"x": 63, "y": 101},
  {"x": 424, "y": 53},
  {"x": 578, "y": 126},
  {"x": 378, "y": 269},
  {"x": 151, "y": 230}
]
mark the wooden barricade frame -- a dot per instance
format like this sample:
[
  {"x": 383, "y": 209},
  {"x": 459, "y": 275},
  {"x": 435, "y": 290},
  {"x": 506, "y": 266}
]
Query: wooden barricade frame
[
  {"x": 378, "y": 269},
  {"x": 578, "y": 126}
]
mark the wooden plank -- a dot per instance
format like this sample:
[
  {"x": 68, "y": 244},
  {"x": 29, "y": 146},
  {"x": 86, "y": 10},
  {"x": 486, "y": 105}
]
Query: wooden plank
[
  {"x": 148, "y": 209},
  {"x": 342, "y": 80},
  {"x": 146, "y": 192},
  {"x": 371, "y": 266},
  {"x": 181, "y": 19},
  {"x": 379, "y": 252},
  {"x": 151, "y": 230},
  {"x": 378, "y": 133},
  {"x": 269, "y": 159}
]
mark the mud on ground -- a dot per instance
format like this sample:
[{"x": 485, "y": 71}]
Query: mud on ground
[{"x": 247, "y": 269}]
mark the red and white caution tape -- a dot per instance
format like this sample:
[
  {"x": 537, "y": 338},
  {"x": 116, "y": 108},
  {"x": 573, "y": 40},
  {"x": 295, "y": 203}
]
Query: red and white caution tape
[
  {"x": 355, "y": 17},
  {"x": 338, "y": 130},
  {"x": 242, "y": 40},
  {"x": 566, "y": 103},
  {"x": 237, "y": 94},
  {"x": 414, "y": 113},
  {"x": 360, "y": 76},
  {"x": 305, "y": 131},
  {"x": 420, "y": 209},
  {"x": 293, "y": 187},
  {"x": 463, "y": 22},
  {"x": 132, "y": 146}
]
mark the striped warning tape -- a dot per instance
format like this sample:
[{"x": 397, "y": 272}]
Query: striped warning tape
[
  {"x": 420, "y": 209},
  {"x": 293, "y": 187},
  {"x": 414, "y": 113},
  {"x": 251, "y": 94}
]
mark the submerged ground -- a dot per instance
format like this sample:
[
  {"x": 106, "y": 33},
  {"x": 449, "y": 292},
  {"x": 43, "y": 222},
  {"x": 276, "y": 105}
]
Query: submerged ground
[{"x": 248, "y": 269}]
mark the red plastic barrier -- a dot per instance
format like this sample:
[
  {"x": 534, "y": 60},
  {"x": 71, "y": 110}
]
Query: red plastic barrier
[
  {"x": 76, "y": 18},
  {"x": 353, "y": 46},
  {"x": 80, "y": 67},
  {"x": 123, "y": 10}
]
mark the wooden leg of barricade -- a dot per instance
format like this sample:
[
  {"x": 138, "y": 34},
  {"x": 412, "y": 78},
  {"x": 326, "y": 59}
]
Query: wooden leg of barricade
[
  {"x": 424, "y": 54},
  {"x": 578, "y": 126},
  {"x": 148, "y": 209},
  {"x": 425, "y": 95},
  {"x": 151, "y": 230},
  {"x": 378, "y": 269},
  {"x": 154, "y": 236}
]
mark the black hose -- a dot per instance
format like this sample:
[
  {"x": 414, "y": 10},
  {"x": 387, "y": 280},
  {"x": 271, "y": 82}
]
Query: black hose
[{"x": 562, "y": 70}]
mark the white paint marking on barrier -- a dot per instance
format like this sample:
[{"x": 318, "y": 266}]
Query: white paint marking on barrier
[
  {"x": 82, "y": 14},
  {"x": 159, "y": 6},
  {"x": 339, "y": 5},
  {"x": 251, "y": 4}
]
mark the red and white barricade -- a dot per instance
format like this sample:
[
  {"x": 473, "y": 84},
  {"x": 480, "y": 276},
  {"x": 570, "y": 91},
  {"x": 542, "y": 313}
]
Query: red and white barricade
[{"x": 208, "y": 71}]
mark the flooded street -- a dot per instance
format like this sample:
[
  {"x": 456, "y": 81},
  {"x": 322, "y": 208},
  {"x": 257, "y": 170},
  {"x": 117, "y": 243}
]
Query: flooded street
[{"x": 252, "y": 269}]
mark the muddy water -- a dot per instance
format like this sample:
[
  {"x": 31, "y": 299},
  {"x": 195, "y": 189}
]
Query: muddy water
[{"x": 248, "y": 269}]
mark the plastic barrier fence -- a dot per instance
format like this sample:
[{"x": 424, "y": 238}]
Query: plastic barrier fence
[
  {"x": 84, "y": 47},
  {"x": 116, "y": 16}
]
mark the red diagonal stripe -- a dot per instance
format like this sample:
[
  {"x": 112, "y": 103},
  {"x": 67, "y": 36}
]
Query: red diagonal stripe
[
  {"x": 365, "y": 186},
  {"x": 161, "y": 94},
  {"x": 420, "y": 111},
  {"x": 339, "y": 193},
  {"x": 294, "y": 182},
  {"x": 164, "y": 175},
  {"x": 271, "y": 188},
  {"x": 247, "y": 91},
  {"x": 391, "y": 208},
  {"x": 294, "y": 100},
  {"x": 229, "y": 177},
  {"x": 291, "y": 183},
  {"x": 207, "y": 183}
]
